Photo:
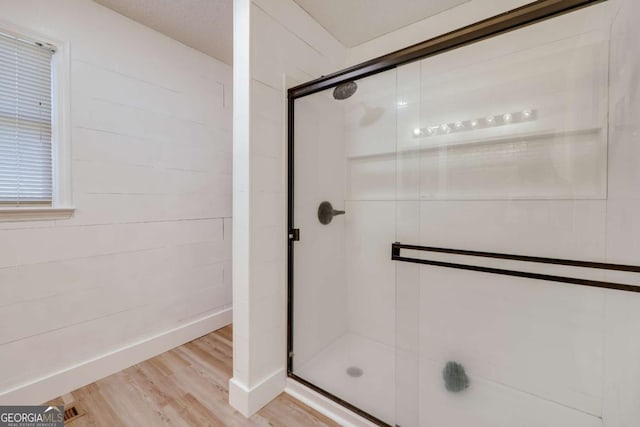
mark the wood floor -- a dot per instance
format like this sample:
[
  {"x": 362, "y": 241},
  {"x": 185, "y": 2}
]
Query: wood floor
[{"x": 186, "y": 386}]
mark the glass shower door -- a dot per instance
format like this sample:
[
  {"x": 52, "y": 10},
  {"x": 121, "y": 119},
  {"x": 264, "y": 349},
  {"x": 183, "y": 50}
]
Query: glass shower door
[
  {"x": 466, "y": 232},
  {"x": 343, "y": 329},
  {"x": 522, "y": 145}
]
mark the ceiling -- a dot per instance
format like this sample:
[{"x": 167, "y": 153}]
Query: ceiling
[
  {"x": 205, "y": 25},
  {"x": 354, "y": 22}
]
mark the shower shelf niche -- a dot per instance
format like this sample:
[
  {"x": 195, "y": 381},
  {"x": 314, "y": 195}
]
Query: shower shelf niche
[
  {"x": 537, "y": 165},
  {"x": 454, "y": 140}
]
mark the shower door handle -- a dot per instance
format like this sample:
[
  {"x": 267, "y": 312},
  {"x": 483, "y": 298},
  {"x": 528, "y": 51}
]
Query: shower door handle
[{"x": 326, "y": 213}]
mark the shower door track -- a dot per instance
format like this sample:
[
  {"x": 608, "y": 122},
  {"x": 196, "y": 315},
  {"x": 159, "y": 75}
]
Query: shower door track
[
  {"x": 395, "y": 256},
  {"x": 526, "y": 15}
]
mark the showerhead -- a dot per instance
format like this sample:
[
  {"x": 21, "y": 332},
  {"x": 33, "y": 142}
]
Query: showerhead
[{"x": 344, "y": 90}]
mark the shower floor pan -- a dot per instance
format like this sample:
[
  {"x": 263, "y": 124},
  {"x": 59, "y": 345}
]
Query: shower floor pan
[{"x": 358, "y": 370}]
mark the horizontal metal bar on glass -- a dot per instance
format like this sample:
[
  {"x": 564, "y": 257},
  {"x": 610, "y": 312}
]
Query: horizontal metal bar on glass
[{"x": 396, "y": 256}]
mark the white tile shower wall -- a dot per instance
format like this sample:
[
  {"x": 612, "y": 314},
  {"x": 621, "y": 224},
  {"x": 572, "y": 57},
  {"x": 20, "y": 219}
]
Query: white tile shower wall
[
  {"x": 370, "y": 130},
  {"x": 370, "y": 228},
  {"x": 320, "y": 297},
  {"x": 561, "y": 77},
  {"x": 490, "y": 324},
  {"x": 149, "y": 246},
  {"x": 622, "y": 311},
  {"x": 536, "y": 337},
  {"x": 370, "y": 144},
  {"x": 277, "y": 42},
  {"x": 588, "y": 330},
  {"x": 432, "y": 90},
  {"x": 491, "y": 405}
]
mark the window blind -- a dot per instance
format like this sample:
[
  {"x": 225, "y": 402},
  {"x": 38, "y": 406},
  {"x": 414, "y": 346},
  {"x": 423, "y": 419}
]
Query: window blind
[{"x": 25, "y": 122}]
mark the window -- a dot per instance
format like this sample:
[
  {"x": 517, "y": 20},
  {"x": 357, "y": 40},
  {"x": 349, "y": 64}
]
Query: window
[
  {"x": 25, "y": 122},
  {"x": 33, "y": 144}
]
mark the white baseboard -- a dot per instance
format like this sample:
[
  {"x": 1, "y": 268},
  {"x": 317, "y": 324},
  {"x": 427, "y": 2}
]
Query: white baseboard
[
  {"x": 71, "y": 378},
  {"x": 248, "y": 401},
  {"x": 325, "y": 406}
]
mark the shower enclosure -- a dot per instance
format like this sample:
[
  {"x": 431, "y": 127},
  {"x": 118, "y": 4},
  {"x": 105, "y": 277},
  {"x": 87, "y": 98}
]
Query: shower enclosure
[{"x": 464, "y": 225}]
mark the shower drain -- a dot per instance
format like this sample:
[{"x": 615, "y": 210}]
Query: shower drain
[{"x": 354, "y": 371}]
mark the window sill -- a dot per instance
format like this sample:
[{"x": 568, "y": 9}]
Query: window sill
[{"x": 34, "y": 214}]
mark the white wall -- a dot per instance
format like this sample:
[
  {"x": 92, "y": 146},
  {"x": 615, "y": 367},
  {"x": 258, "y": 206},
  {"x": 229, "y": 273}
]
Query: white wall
[
  {"x": 466, "y": 14},
  {"x": 538, "y": 353},
  {"x": 370, "y": 225},
  {"x": 319, "y": 276},
  {"x": 622, "y": 310},
  {"x": 276, "y": 44},
  {"x": 146, "y": 258}
]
